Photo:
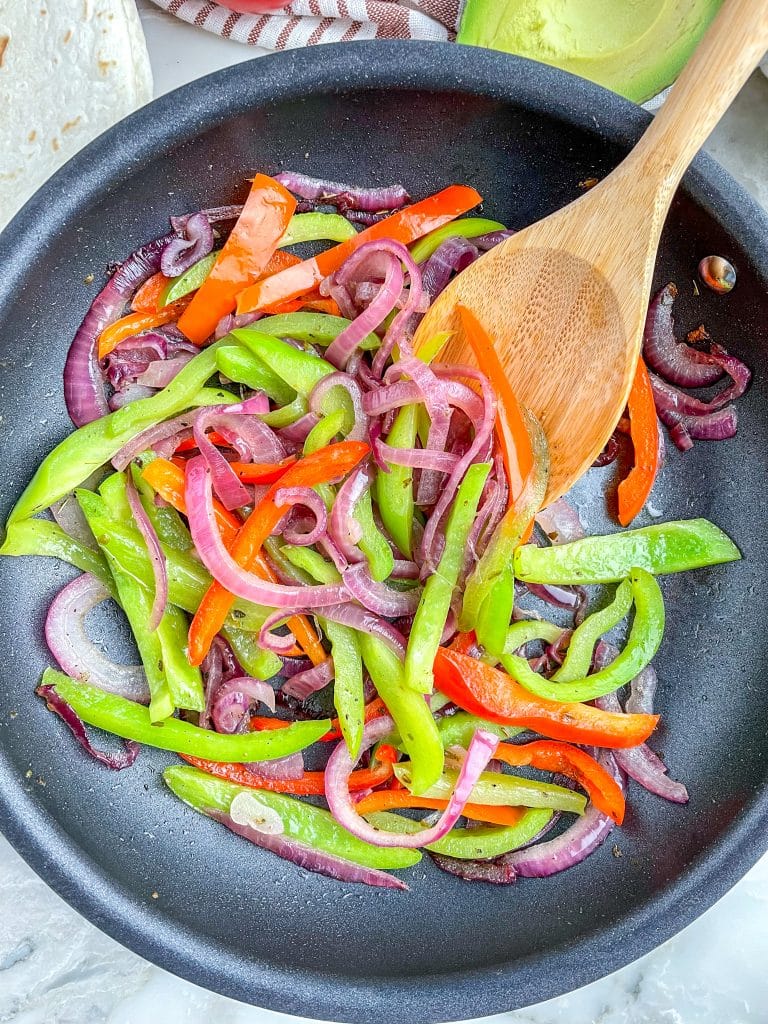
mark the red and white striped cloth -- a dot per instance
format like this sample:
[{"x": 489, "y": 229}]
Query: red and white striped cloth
[{"x": 307, "y": 22}]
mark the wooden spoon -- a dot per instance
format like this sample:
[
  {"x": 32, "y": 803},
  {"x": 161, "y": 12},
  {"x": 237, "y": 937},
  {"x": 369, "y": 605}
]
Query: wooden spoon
[{"x": 565, "y": 300}]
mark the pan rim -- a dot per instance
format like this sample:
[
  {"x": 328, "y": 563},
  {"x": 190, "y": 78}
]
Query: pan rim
[{"x": 46, "y": 846}]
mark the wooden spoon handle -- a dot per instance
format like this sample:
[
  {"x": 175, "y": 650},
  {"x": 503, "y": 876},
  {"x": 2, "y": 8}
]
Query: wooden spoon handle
[{"x": 731, "y": 49}]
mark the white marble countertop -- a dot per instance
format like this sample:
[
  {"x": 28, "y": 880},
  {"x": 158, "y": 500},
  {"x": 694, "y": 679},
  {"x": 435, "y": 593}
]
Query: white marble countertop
[{"x": 56, "y": 968}]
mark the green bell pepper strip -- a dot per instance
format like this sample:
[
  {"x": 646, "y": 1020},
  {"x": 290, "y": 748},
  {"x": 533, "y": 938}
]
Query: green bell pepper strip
[
  {"x": 254, "y": 661},
  {"x": 311, "y": 562},
  {"x": 244, "y": 368},
  {"x": 188, "y": 579},
  {"x": 661, "y": 548},
  {"x": 215, "y": 396},
  {"x": 527, "y": 630},
  {"x": 303, "y": 822},
  {"x": 132, "y": 721},
  {"x": 311, "y": 328},
  {"x": 301, "y": 370},
  {"x": 502, "y": 790},
  {"x": 432, "y": 348},
  {"x": 168, "y": 524},
  {"x": 394, "y": 490},
  {"x": 326, "y": 430},
  {"x": 457, "y": 730},
  {"x": 489, "y": 583},
  {"x": 435, "y": 602},
  {"x": 413, "y": 719},
  {"x": 578, "y": 659},
  {"x": 79, "y": 454},
  {"x": 183, "y": 682},
  {"x": 495, "y": 612},
  {"x": 466, "y": 227},
  {"x": 189, "y": 281},
  {"x": 482, "y": 843},
  {"x": 348, "y": 683},
  {"x": 284, "y": 417},
  {"x": 316, "y": 227},
  {"x": 42, "y": 537},
  {"x": 643, "y": 642},
  {"x": 286, "y": 565},
  {"x": 373, "y": 543}
]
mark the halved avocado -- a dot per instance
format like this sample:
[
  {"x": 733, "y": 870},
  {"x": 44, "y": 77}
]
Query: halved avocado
[{"x": 635, "y": 47}]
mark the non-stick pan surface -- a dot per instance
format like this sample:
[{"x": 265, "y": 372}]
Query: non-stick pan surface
[{"x": 239, "y": 920}]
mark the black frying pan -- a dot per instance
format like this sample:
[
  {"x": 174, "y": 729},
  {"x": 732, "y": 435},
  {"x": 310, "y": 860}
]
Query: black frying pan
[{"x": 236, "y": 919}]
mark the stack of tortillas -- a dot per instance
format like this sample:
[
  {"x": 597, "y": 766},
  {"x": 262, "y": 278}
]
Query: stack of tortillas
[{"x": 68, "y": 70}]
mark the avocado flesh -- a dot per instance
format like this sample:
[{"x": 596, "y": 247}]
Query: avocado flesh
[{"x": 634, "y": 47}]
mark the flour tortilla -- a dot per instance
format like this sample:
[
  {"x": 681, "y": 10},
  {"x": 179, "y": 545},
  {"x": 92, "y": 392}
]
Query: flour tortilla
[{"x": 69, "y": 69}]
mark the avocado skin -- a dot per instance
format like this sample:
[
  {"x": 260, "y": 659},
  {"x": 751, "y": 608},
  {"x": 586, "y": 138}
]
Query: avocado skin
[{"x": 641, "y": 67}]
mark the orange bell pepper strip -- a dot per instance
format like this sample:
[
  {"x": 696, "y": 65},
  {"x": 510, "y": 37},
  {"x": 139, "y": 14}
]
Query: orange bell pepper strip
[
  {"x": 313, "y": 301},
  {"x": 167, "y": 480},
  {"x": 511, "y": 431},
  {"x": 635, "y": 488},
  {"x": 489, "y": 693},
  {"x": 330, "y": 463},
  {"x": 404, "y": 226},
  {"x": 215, "y": 438},
  {"x": 390, "y": 799},
  {"x": 253, "y": 241},
  {"x": 262, "y": 472},
  {"x": 135, "y": 323},
  {"x": 147, "y": 297},
  {"x": 310, "y": 783},
  {"x": 551, "y": 756}
]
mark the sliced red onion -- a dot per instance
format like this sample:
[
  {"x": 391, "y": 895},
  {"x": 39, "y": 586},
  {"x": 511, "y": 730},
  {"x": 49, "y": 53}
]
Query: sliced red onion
[
  {"x": 378, "y": 597},
  {"x": 283, "y": 768},
  {"x": 252, "y": 438},
  {"x": 131, "y": 357},
  {"x": 129, "y": 393},
  {"x": 715, "y": 426},
  {"x": 561, "y": 523},
  {"x": 439, "y": 410},
  {"x": 340, "y": 766},
  {"x": 343, "y": 529},
  {"x": 671, "y": 399},
  {"x": 642, "y": 690},
  {"x": 342, "y": 347},
  {"x": 234, "y": 321},
  {"x": 181, "y": 253},
  {"x": 161, "y": 372},
  {"x": 310, "y": 681},
  {"x": 221, "y": 565},
  {"x": 675, "y": 360},
  {"x": 77, "y": 654},
  {"x": 347, "y": 613},
  {"x": 352, "y": 197},
  {"x": 451, "y": 257},
  {"x": 574, "y": 845},
  {"x": 83, "y": 383},
  {"x": 151, "y": 437},
  {"x": 398, "y": 332},
  {"x": 560, "y": 597},
  {"x": 404, "y": 569},
  {"x": 155, "y": 551},
  {"x": 359, "y": 430},
  {"x": 309, "y": 858},
  {"x": 289, "y": 497},
  {"x": 483, "y": 432},
  {"x": 609, "y": 454},
  {"x": 66, "y": 713},
  {"x": 234, "y": 697},
  {"x": 494, "y": 872},
  {"x": 492, "y": 238},
  {"x": 213, "y": 673},
  {"x": 214, "y": 215},
  {"x": 416, "y": 458},
  {"x": 69, "y": 516}
]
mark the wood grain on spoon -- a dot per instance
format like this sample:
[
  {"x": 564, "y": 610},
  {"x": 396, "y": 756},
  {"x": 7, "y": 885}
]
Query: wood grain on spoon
[{"x": 565, "y": 299}]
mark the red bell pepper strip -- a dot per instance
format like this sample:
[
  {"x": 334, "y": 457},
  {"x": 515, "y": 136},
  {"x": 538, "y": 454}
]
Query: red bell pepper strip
[
  {"x": 254, "y": 238},
  {"x": 310, "y": 783},
  {"x": 636, "y": 488},
  {"x": 146, "y": 299},
  {"x": 374, "y": 709},
  {"x": 551, "y": 756},
  {"x": 167, "y": 480},
  {"x": 489, "y": 693},
  {"x": 389, "y": 799},
  {"x": 511, "y": 431},
  {"x": 404, "y": 226},
  {"x": 323, "y": 466},
  {"x": 313, "y": 301},
  {"x": 262, "y": 472},
  {"x": 135, "y": 323}
]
